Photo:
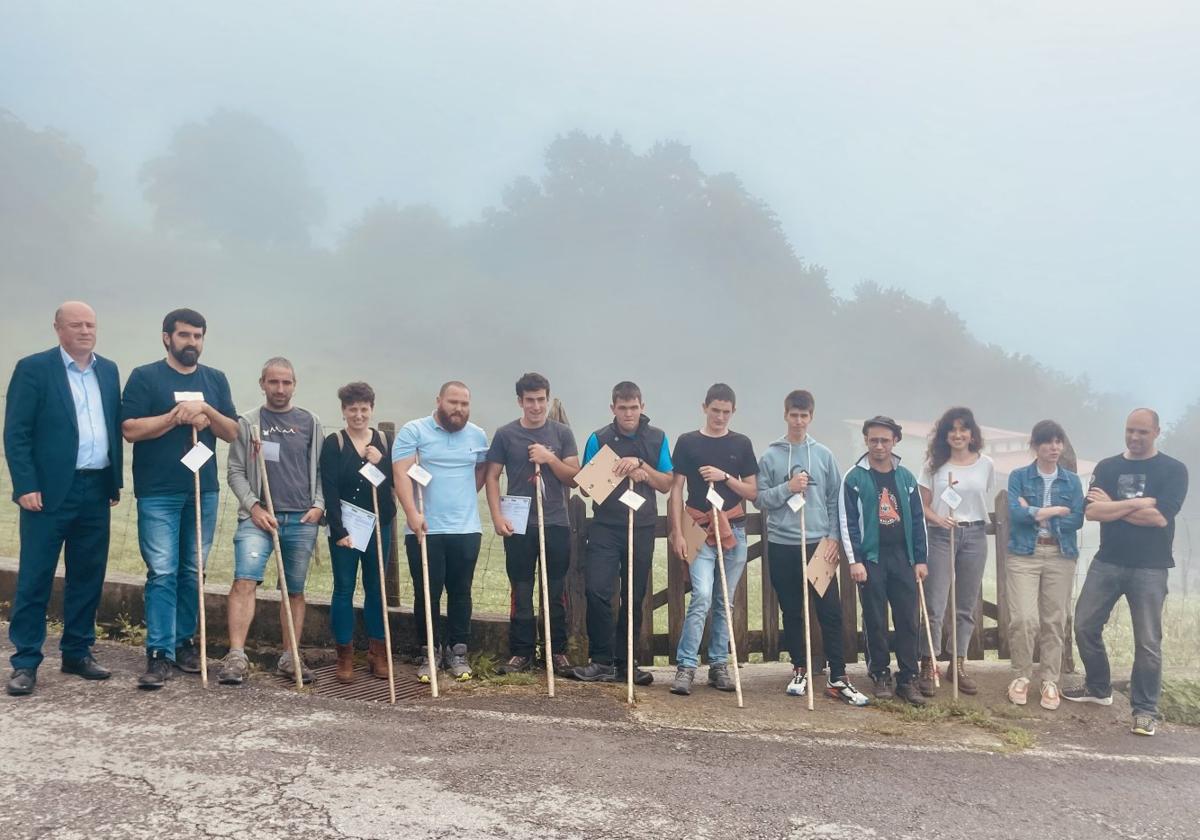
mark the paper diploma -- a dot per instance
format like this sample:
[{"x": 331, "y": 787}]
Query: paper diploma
[
  {"x": 360, "y": 524},
  {"x": 516, "y": 510}
]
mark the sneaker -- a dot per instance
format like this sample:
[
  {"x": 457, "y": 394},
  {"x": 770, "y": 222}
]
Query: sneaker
[
  {"x": 684, "y": 677},
  {"x": 423, "y": 667},
  {"x": 1143, "y": 725},
  {"x": 842, "y": 689},
  {"x": 1083, "y": 694},
  {"x": 516, "y": 665},
  {"x": 595, "y": 672},
  {"x": 1050, "y": 696},
  {"x": 234, "y": 668},
  {"x": 1018, "y": 691},
  {"x": 798, "y": 686},
  {"x": 454, "y": 659},
  {"x": 925, "y": 683},
  {"x": 718, "y": 677},
  {"x": 158, "y": 671},
  {"x": 881, "y": 685},
  {"x": 910, "y": 693},
  {"x": 285, "y": 669},
  {"x": 187, "y": 658},
  {"x": 562, "y": 665},
  {"x": 640, "y": 676}
]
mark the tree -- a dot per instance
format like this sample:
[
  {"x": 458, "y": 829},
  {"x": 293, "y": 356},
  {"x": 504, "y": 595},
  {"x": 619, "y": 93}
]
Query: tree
[{"x": 234, "y": 179}]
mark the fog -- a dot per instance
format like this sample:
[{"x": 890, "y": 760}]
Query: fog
[{"x": 901, "y": 206}]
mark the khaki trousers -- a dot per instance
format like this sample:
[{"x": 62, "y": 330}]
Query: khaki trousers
[{"x": 1039, "y": 593}]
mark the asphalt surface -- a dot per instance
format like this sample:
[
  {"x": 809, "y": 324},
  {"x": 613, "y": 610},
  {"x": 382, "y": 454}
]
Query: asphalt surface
[{"x": 103, "y": 760}]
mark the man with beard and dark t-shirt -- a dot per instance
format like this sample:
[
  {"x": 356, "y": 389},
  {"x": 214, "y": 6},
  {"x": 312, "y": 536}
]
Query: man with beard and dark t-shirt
[
  {"x": 453, "y": 451},
  {"x": 517, "y": 448},
  {"x": 162, "y": 403},
  {"x": 645, "y": 464},
  {"x": 1135, "y": 497}
]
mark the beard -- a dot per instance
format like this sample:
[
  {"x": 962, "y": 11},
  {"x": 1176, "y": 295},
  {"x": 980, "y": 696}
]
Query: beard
[
  {"x": 186, "y": 356},
  {"x": 452, "y": 422}
]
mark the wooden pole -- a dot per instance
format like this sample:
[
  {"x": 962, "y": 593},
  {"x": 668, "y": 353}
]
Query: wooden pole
[
  {"x": 290, "y": 624},
  {"x": 387, "y": 626},
  {"x": 431, "y": 654},
  {"x": 937, "y": 683},
  {"x": 737, "y": 677},
  {"x": 629, "y": 668},
  {"x": 953, "y": 599},
  {"x": 547, "y": 647},
  {"x": 804, "y": 591},
  {"x": 200, "y": 575}
]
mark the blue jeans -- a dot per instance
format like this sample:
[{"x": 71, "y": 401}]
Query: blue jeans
[
  {"x": 167, "y": 538},
  {"x": 252, "y": 547},
  {"x": 345, "y": 563},
  {"x": 703, "y": 572},
  {"x": 1144, "y": 591}
]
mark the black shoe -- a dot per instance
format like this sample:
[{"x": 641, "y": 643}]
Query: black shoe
[
  {"x": 595, "y": 672},
  {"x": 516, "y": 665},
  {"x": 640, "y": 677},
  {"x": 882, "y": 686},
  {"x": 87, "y": 667},
  {"x": 911, "y": 694},
  {"x": 187, "y": 658},
  {"x": 158, "y": 671},
  {"x": 21, "y": 682}
]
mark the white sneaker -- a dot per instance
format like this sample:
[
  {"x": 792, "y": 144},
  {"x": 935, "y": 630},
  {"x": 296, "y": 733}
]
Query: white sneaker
[
  {"x": 1018, "y": 691},
  {"x": 798, "y": 687},
  {"x": 1050, "y": 696}
]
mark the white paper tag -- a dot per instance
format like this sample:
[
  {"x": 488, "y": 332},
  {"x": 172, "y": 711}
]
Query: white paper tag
[
  {"x": 714, "y": 498},
  {"x": 420, "y": 475},
  {"x": 189, "y": 396},
  {"x": 632, "y": 499},
  {"x": 795, "y": 502},
  {"x": 270, "y": 450},
  {"x": 372, "y": 474},
  {"x": 951, "y": 498},
  {"x": 196, "y": 457}
]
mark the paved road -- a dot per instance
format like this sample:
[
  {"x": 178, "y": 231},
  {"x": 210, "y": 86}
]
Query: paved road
[{"x": 87, "y": 760}]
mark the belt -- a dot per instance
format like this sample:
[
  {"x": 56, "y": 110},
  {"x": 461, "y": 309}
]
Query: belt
[
  {"x": 91, "y": 472},
  {"x": 969, "y": 524},
  {"x": 1047, "y": 541}
]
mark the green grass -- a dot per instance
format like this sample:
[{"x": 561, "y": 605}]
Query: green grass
[
  {"x": 1014, "y": 737},
  {"x": 1180, "y": 701}
]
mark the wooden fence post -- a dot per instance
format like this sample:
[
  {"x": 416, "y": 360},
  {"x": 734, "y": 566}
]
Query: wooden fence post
[
  {"x": 770, "y": 604},
  {"x": 576, "y": 583}
]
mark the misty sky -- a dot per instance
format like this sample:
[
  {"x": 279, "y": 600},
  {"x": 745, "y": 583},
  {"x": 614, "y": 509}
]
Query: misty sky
[{"x": 1036, "y": 164}]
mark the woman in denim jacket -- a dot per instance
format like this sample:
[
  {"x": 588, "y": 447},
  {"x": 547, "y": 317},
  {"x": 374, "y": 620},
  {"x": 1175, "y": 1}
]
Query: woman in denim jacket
[{"x": 1045, "y": 506}]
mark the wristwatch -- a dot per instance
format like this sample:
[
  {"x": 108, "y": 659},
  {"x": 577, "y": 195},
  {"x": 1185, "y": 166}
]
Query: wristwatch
[{"x": 640, "y": 462}]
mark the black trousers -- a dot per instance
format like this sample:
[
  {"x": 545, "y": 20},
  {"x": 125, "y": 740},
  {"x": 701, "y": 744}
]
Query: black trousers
[
  {"x": 790, "y": 587},
  {"x": 82, "y": 523},
  {"x": 606, "y": 572},
  {"x": 452, "y": 559},
  {"x": 521, "y": 561},
  {"x": 891, "y": 581}
]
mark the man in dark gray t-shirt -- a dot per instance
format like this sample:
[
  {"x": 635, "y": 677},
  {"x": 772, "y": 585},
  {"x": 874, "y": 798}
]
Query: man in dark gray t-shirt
[{"x": 517, "y": 450}]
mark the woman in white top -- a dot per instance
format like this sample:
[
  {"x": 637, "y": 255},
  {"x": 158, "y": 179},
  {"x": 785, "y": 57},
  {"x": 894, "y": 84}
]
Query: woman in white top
[{"x": 955, "y": 451}]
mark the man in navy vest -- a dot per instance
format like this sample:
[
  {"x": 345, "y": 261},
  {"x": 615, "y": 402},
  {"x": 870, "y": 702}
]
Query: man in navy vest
[
  {"x": 645, "y": 458},
  {"x": 63, "y": 447}
]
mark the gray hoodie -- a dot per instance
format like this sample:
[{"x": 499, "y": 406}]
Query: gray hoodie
[
  {"x": 778, "y": 464},
  {"x": 242, "y": 472}
]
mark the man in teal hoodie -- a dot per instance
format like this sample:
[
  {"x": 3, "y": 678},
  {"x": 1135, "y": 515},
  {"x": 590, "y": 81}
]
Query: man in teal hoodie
[
  {"x": 798, "y": 465},
  {"x": 883, "y": 532}
]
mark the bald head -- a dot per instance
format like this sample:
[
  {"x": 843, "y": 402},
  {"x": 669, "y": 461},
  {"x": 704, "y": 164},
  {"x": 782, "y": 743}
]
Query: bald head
[
  {"x": 1141, "y": 433},
  {"x": 75, "y": 323}
]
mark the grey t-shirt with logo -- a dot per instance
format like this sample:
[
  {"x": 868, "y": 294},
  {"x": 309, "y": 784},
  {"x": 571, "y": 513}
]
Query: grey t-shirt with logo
[
  {"x": 510, "y": 447},
  {"x": 290, "y": 476}
]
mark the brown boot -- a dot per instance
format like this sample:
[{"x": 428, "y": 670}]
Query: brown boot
[
  {"x": 377, "y": 658},
  {"x": 925, "y": 678},
  {"x": 345, "y": 664},
  {"x": 965, "y": 684}
]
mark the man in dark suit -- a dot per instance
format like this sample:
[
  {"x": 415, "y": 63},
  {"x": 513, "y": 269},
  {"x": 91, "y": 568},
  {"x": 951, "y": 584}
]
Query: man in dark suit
[{"x": 62, "y": 440}]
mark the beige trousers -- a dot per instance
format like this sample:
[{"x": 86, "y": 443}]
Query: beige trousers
[{"x": 1039, "y": 594}]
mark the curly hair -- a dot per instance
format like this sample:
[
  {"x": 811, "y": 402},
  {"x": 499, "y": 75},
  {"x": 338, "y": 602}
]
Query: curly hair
[
  {"x": 356, "y": 392},
  {"x": 939, "y": 450}
]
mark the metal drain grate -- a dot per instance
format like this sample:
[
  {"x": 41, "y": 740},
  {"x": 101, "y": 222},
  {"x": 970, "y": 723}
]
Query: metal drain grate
[{"x": 365, "y": 687}]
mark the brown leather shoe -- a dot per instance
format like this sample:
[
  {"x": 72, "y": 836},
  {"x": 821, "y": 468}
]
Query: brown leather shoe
[
  {"x": 965, "y": 684},
  {"x": 345, "y": 664},
  {"x": 925, "y": 677},
  {"x": 377, "y": 658}
]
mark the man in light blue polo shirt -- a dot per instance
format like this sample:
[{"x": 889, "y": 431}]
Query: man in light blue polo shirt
[{"x": 453, "y": 451}]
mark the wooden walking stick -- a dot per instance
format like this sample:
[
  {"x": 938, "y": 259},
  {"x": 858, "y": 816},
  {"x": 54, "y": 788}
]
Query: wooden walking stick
[
  {"x": 547, "y": 647},
  {"x": 629, "y": 668},
  {"x": 387, "y": 625},
  {"x": 290, "y": 624},
  {"x": 804, "y": 590},
  {"x": 937, "y": 683},
  {"x": 200, "y": 575},
  {"x": 431, "y": 654},
  {"x": 953, "y": 598},
  {"x": 737, "y": 677}
]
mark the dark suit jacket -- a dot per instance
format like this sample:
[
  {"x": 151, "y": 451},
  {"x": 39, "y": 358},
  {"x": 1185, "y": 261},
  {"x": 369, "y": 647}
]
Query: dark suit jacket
[{"x": 41, "y": 434}]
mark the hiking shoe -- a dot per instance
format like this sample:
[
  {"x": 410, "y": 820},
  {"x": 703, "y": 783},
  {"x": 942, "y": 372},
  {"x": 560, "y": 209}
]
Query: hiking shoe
[
  {"x": 881, "y": 686},
  {"x": 158, "y": 670},
  {"x": 718, "y": 677},
  {"x": 842, "y": 689},
  {"x": 1018, "y": 691},
  {"x": 911, "y": 694},
  {"x": 234, "y": 668},
  {"x": 684, "y": 677},
  {"x": 423, "y": 667},
  {"x": 21, "y": 682},
  {"x": 285, "y": 669},
  {"x": 187, "y": 658},
  {"x": 925, "y": 683},
  {"x": 562, "y": 665},
  {"x": 1050, "y": 696},
  {"x": 595, "y": 672},
  {"x": 454, "y": 659},
  {"x": 1143, "y": 725},
  {"x": 640, "y": 676},
  {"x": 798, "y": 686},
  {"x": 515, "y": 665},
  {"x": 1083, "y": 694},
  {"x": 956, "y": 671}
]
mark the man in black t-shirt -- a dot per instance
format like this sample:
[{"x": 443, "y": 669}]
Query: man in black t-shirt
[
  {"x": 1135, "y": 497},
  {"x": 163, "y": 402},
  {"x": 711, "y": 456}
]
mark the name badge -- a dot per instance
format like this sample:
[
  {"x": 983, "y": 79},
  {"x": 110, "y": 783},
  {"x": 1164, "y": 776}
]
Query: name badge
[
  {"x": 270, "y": 451},
  {"x": 372, "y": 474},
  {"x": 189, "y": 396},
  {"x": 714, "y": 499},
  {"x": 420, "y": 475},
  {"x": 632, "y": 499},
  {"x": 795, "y": 502},
  {"x": 196, "y": 457},
  {"x": 951, "y": 498}
]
